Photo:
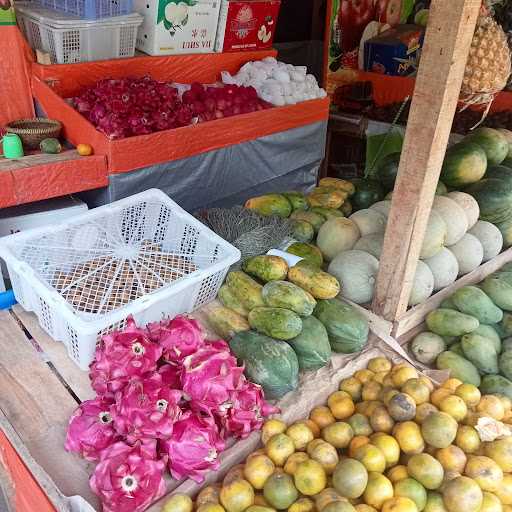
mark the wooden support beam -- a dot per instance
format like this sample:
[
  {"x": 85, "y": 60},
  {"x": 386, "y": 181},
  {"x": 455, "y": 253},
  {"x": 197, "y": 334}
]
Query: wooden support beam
[{"x": 447, "y": 42}]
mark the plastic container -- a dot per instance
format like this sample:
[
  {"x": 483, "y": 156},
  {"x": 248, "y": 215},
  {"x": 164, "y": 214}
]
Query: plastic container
[
  {"x": 91, "y": 9},
  {"x": 142, "y": 256},
  {"x": 69, "y": 39}
]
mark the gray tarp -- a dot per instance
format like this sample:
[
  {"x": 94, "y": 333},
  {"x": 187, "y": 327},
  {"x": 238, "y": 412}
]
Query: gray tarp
[{"x": 282, "y": 161}]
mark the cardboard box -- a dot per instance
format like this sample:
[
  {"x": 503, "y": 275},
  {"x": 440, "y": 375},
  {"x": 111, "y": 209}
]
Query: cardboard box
[
  {"x": 395, "y": 52},
  {"x": 177, "y": 26},
  {"x": 247, "y": 25}
]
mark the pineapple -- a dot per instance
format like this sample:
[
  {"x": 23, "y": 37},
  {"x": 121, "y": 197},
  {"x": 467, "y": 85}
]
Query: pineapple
[{"x": 488, "y": 66}]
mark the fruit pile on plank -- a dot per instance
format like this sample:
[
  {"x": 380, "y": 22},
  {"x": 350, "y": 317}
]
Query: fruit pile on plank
[
  {"x": 387, "y": 441},
  {"x": 471, "y": 334},
  {"x": 166, "y": 397},
  {"x": 283, "y": 319}
]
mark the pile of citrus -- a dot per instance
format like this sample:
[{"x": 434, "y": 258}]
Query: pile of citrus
[{"x": 386, "y": 441}]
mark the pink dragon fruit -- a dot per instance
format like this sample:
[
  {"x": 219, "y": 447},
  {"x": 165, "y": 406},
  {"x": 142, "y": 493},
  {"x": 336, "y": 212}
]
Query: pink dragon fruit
[
  {"x": 171, "y": 376},
  {"x": 209, "y": 376},
  {"x": 179, "y": 337},
  {"x": 248, "y": 410},
  {"x": 122, "y": 356},
  {"x": 193, "y": 447},
  {"x": 128, "y": 478},
  {"x": 146, "y": 408},
  {"x": 90, "y": 429}
]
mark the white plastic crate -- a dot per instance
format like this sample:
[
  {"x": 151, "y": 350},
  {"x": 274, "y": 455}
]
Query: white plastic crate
[
  {"x": 69, "y": 39},
  {"x": 142, "y": 256}
]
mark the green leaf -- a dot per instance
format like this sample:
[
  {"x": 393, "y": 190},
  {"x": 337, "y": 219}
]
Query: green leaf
[
  {"x": 185, "y": 21},
  {"x": 407, "y": 7},
  {"x": 161, "y": 10},
  {"x": 167, "y": 24}
]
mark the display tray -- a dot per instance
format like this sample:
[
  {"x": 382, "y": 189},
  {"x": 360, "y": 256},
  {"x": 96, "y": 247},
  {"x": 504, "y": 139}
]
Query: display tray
[
  {"x": 42, "y": 387},
  {"x": 36, "y": 177},
  {"x": 52, "y": 84}
]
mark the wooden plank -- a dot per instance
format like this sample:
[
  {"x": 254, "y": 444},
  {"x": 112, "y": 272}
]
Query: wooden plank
[
  {"x": 417, "y": 314},
  {"x": 37, "y": 159},
  {"x": 38, "y": 407},
  {"x": 56, "y": 352},
  {"x": 447, "y": 42}
]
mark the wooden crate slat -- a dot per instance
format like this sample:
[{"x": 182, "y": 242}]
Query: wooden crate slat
[
  {"x": 417, "y": 314},
  {"x": 38, "y": 407},
  {"x": 75, "y": 378}
]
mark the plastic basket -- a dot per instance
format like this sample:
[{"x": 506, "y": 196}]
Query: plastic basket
[
  {"x": 142, "y": 256},
  {"x": 91, "y": 9},
  {"x": 69, "y": 39}
]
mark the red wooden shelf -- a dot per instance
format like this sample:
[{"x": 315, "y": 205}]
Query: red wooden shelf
[{"x": 37, "y": 177}]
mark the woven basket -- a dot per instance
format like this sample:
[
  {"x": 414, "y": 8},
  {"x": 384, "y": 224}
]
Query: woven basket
[{"x": 33, "y": 131}]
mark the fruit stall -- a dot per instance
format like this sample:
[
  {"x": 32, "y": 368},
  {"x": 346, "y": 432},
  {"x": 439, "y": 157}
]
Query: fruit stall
[{"x": 254, "y": 337}]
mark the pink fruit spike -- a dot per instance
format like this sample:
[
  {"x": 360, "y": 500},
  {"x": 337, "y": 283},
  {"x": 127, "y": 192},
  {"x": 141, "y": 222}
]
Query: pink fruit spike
[
  {"x": 90, "y": 429},
  {"x": 193, "y": 448},
  {"x": 129, "y": 478}
]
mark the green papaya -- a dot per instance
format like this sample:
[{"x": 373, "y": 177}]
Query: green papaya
[
  {"x": 506, "y": 344},
  {"x": 460, "y": 368},
  {"x": 297, "y": 200},
  {"x": 489, "y": 332},
  {"x": 315, "y": 219},
  {"x": 228, "y": 299},
  {"x": 225, "y": 322},
  {"x": 506, "y": 325},
  {"x": 245, "y": 289},
  {"x": 505, "y": 363},
  {"x": 456, "y": 348},
  {"x": 480, "y": 352},
  {"x": 282, "y": 294},
  {"x": 278, "y": 323},
  {"x": 318, "y": 283},
  {"x": 328, "y": 213},
  {"x": 473, "y": 301},
  {"x": 266, "y": 268},
  {"x": 270, "y": 205},
  {"x": 347, "y": 328},
  {"x": 303, "y": 231},
  {"x": 447, "y": 322},
  {"x": 499, "y": 289},
  {"x": 448, "y": 304},
  {"x": 270, "y": 363},
  {"x": 309, "y": 252},
  {"x": 496, "y": 385},
  {"x": 312, "y": 345}
]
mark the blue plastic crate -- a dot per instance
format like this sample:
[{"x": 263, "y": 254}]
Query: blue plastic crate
[{"x": 91, "y": 9}]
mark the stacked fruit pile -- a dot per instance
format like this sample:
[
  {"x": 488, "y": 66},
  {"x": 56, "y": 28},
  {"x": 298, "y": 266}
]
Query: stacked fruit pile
[
  {"x": 283, "y": 304},
  {"x": 386, "y": 441},
  {"x": 470, "y": 334}
]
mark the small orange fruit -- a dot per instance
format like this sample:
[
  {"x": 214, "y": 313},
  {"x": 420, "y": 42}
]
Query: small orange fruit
[{"x": 84, "y": 149}]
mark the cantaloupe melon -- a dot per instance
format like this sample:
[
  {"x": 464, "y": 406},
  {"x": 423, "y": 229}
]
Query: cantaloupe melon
[
  {"x": 435, "y": 236},
  {"x": 490, "y": 237},
  {"x": 369, "y": 221},
  {"x": 371, "y": 244},
  {"x": 382, "y": 207},
  {"x": 357, "y": 273},
  {"x": 468, "y": 204},
  {"x": 444, "y": 267},
  {"x": 423, "y": 284},
  {"x": 453, "y": 216},
  {"x": 337, "y": 235},
  {"x": 469, "y": 253}
]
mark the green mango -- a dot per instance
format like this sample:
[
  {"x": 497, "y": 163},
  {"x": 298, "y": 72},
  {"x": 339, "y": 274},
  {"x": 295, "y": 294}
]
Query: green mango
[
  {"x": 447, "y": 322},
  {"x": 473, "y": 301},
  {"x": 460, "y": 368},
  {"x": 480, "y": 351}
]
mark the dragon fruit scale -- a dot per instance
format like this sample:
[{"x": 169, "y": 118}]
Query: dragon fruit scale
[
  {"x": 193, "y": 448},
  {"x": 129, "y": 478},
  {"x": 146, "y": 408},
  {"x": 209, "y": 376},
  {"x": 90, "y": 429},
  {"x": 248, "y": 410},
  {"x": 121, "y": 356},
  {"x": 179, "y": 337}
]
